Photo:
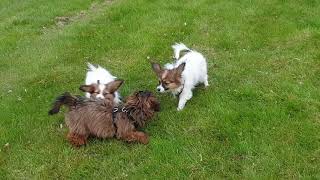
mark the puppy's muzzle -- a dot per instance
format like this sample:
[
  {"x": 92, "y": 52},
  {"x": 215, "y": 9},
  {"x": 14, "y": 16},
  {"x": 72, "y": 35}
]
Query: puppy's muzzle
[{"x": 160, "y": 88}]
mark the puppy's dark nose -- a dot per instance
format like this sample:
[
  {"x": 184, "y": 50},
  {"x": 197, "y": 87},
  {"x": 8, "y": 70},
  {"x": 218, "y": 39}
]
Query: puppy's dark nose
[{"x": 158, "y": 89}]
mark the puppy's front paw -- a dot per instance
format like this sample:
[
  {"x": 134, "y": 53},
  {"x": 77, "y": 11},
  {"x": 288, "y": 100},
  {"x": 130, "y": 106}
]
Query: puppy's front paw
[
  {"x": 144, "y": 139},
  {"x": 180, "y": 108}
]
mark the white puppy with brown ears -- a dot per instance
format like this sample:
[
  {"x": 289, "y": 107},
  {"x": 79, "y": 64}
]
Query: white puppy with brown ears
[
  {"x": 95, "y": 83},
  {"x": 183, "y": 75}
]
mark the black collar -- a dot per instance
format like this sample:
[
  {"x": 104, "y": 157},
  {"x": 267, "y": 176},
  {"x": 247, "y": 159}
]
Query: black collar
[
  {"x": 181, "y": 90},
  {"x": 115, "y": 110}
]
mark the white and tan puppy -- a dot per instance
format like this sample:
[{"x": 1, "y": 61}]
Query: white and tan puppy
[
  {"x": 183, "y": 75},
  {"x": 95, "y": 83}
]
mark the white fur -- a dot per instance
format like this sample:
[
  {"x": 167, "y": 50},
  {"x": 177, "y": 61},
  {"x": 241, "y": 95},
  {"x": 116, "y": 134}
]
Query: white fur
[
  {"x": 160, "y": 88},
  {"x": 195, "y": 72},
  {"x": 177, "y": 47},
  {"x": 101, "y": 75}
]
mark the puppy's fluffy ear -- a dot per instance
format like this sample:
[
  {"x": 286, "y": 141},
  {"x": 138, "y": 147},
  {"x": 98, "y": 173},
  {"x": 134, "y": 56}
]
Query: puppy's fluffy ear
[
  {"x": 156, "y": 68},
  {"x": 87, "y": 88},
  {"x": 114, "y": 85},
  {"x": 180, "y": 68}
]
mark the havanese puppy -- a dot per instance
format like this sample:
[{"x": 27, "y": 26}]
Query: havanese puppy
[
  {"x": 100, "y": 118},
  {"x": 95, "y": 83},
  {"x": 183, "y": 75}
]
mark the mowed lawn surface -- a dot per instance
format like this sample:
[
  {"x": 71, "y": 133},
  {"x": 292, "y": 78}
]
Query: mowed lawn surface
[{"x": 258, "y": 119}]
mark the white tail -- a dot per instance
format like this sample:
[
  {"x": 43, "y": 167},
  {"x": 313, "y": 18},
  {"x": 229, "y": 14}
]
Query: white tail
[
  {"x": 177, "y": 48},
  {"x": 91, "y": 67}
]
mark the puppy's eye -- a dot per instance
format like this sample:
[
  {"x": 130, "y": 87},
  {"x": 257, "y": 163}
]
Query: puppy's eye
[{"x": 166, "y": 82}]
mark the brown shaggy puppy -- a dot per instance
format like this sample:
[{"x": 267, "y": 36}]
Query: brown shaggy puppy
[{"x": 101, "y": 119}]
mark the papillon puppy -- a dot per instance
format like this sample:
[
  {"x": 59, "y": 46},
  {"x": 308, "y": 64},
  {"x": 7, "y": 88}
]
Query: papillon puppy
[
  {"x": 180, "y": 77},
  {"x": 95, "y": 84}
]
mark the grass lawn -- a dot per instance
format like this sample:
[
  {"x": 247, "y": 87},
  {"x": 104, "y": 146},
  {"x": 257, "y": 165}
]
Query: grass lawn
[{"x": 260, "y": 117}]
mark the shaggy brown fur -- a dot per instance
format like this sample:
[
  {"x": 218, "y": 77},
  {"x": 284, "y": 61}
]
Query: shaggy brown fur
[{"x": 95, "y": 117}]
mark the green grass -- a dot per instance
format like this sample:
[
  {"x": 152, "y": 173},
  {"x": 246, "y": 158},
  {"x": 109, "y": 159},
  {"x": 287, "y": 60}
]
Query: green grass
[{"x": 260, "y": 118}]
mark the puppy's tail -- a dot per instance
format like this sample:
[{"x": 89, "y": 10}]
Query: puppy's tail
[
  {"x": 177, "y": 48},
  {"x": 91, "y": 67},
  {"x": 65, "y": 99}
]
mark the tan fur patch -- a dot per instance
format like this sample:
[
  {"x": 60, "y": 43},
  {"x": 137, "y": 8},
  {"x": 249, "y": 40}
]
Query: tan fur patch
[
  {"x": 164, "y": 74},
  {"x": 171, "y": 79}
]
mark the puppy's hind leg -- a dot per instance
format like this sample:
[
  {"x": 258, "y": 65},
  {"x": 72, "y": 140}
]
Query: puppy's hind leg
[
  {"x": 205, "y": 81},
  {"x": 136, "y": 136},
  {"x": 77, "y": 139},
  {"x": 204, "y": 74}
]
